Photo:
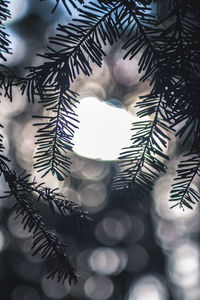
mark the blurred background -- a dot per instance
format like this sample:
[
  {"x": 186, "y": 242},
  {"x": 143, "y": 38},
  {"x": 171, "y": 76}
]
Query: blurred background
[{"x": 134, "y": 249}]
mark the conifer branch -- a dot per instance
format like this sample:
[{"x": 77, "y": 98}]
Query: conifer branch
[
  {"x": 3, "y": 159},
  {"x": 27, "y": 195},
  {"x": 164, "y": 61},
  {"x": 182, "y": 192},
  {"x": 57, "y": 202},
  {"x": 170, "y": 60},
  {"x": 52, "y": 80},
  {"x": 187, "y": 53},
  {"x": 97, "y": 25},
  {"x": 4, "y": 41},
  {"x": 44, "y": 242},
  {"x": 186, "y": 43},
  {"x": 141, "y": 161},
  {"x": 55, "y": 135},
  {"x": 144, "y": 36}
]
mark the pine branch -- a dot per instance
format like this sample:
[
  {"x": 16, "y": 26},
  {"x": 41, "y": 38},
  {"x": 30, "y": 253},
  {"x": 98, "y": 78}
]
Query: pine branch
[
  {"x": 4, "y": 42},
  {"x": 44, "y": 242},
  {"x": 98, "y": 25},
  {"x": 3, "y": 159},
  {"x": 179, "y": 58},
  {"x": 160, "y": 63},
  {"x": 57, "y": 202},
  {"x": 82, "y": 40},
  {"x": 171, "y": 54},
  {"x": 55, "y": 134},
  {"x": 7, "y": 81},
  {"x": 141, "y": 162},
  {"x": 182, "y": 192},
  {"x": 187, "y": 42},
  {"x": 143, "y": 35},
  {"x": 147, "y": 38}
]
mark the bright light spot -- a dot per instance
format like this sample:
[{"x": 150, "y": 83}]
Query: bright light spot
[
  {"x": 23, "y": 135},
  {"x": 91, "y": 89},
  {"x": 192, "y": 293},
  {"x": 167, "y": 233},
  {"x": 93, "y": 196},
  {"x": 162, "y": 204},
  {"x": 18, "y": 49},
  {"x": 103, "y": 76},
  {"x": 98, "y": 287},
  {"x": 110, "y": 231},
  {"x": 17, "y": 10},
  {"x": 126, "y": 71},
  {"x": 77, "y": 164},
  {"x": 94, "y": 170},
  {"x": 184, "y": 264},
  {"x": 104, "y": 261},
  {"x": 104, "y": 130},
  {"x": 107, "y": 261},
  {"x": 149, "y": 287},
  {"x": 71, "y": 194},
  {"x": 54, "y": 289},
  {"x": 49, "y": 179}
]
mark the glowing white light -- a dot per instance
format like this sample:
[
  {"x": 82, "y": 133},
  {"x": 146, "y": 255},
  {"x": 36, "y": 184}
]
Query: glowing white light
[
  {"x": 18, "y": 48},
  {"x": 162, "y": 204},
  {"x": 184, "y": 264},
  {"x": 104, "y": 130},
  {"x": 104, "y": 261},
  {"x": 93, "y": 194},
  {"x": 98, "y": 287},
  {"x": 148, "y": 287},
  {"x": 126, "y": 71},
  {"x": 17, "y": 10}
]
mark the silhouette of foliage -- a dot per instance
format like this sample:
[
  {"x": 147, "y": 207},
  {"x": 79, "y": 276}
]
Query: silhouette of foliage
[
  {"x": 27, "y": 194},
  {"x": 182, "y": 192},
  {"x": 4, "y": 41},
  {"x": 81, "y": 41},
  {"x": 168, "y": 46}
]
